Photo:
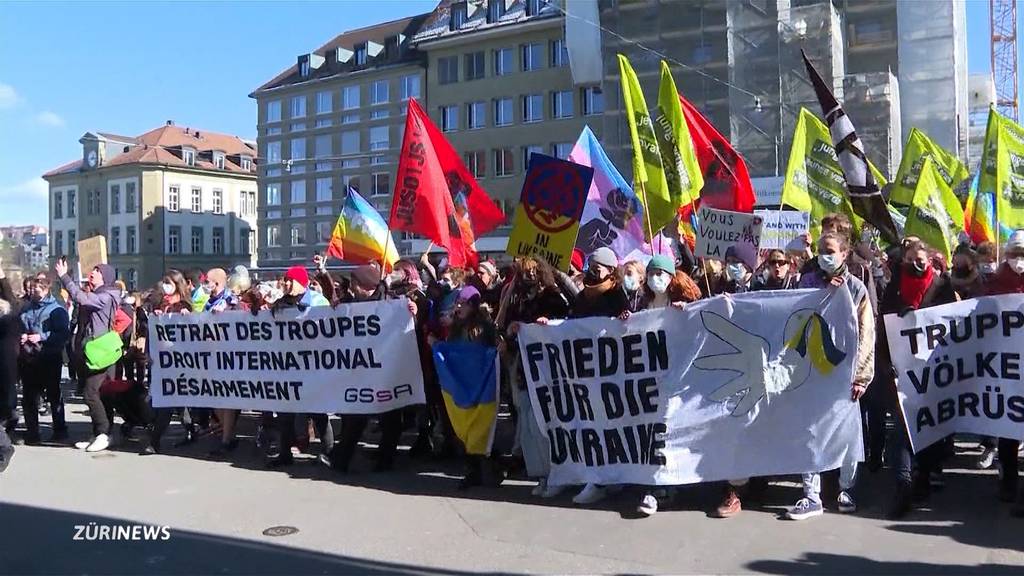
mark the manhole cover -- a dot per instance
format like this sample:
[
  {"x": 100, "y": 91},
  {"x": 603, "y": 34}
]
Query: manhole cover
[{"x": 280, "y": 531}]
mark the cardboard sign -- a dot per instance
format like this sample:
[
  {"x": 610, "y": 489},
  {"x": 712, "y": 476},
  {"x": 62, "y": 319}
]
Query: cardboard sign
[
  {"x": 91, "y": 253},
  {"x": 720, "y": 230},
  {"x": 547, "y": 219},
  {"x": 779, "y": 228}
]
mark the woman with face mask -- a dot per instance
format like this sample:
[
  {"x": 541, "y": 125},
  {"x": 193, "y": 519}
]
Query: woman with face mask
[
  {"x": 602, "y": 293},
  {"x": 965, "y": 276},
  {"x": 737, "y": 273},
  {"x": 633, "y": 281}
]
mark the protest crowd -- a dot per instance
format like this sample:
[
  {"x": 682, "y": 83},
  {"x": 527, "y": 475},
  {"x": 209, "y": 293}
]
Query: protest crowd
[{"x": 590, "y": 343}]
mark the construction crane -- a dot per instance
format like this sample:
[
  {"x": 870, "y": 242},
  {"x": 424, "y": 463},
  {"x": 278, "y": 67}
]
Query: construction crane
[{"x": 1003, "y": 14}]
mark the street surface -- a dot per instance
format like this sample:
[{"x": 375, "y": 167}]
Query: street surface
[{"x": 414, "y": 521}]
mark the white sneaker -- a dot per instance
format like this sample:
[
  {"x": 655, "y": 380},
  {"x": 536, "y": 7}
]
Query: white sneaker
[
  {"x": 538, "y": 490},
  {"x": 847, "y": 505},
  {"x": 987, "y": 458},
  {"x": 100, "y": 444},
  {"x": 804, "y": 509},
  {"x": 648, "y": 505},
  {"x": 552, "y": 491},
  {"x": 84, "y": 444},
  {"x": 591, "y": 494}
]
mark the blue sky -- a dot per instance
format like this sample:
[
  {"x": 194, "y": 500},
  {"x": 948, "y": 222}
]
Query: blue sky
[{"x": 68, "y": 68}]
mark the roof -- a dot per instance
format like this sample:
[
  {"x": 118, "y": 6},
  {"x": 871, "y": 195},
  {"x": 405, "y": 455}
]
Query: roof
[
  {"x": 437, "y": 26},
  {"x": 378, "y": 33},
  {"x": 162, "y": 146}
]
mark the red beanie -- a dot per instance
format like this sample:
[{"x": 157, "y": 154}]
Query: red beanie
[{"x": 298, "y": 274}]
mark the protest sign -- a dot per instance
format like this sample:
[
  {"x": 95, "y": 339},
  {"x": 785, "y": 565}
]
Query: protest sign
[
  {"x": 91, "y": 253},
  {"x": 353, "y": 359},
  {"x": 550, "y": 206},
  {"x": 779, "y": 228},
  {"x": 695, "y": 395},
  {"x": 958, "y": 368},
  {"x": 720, "y": 230}
]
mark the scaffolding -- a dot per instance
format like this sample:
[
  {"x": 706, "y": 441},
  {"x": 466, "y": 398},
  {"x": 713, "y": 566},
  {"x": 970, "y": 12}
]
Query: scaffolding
[{"x": 873, "y": 103}]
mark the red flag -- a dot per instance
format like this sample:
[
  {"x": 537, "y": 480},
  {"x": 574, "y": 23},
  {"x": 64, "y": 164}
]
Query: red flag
[{"x": 726, "y": 180}]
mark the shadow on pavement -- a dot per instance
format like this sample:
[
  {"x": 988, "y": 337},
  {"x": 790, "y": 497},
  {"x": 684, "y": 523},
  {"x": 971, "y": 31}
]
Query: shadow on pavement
[
  {"x": 821, "y": 563},
  {"x": 45, "y": 545}
]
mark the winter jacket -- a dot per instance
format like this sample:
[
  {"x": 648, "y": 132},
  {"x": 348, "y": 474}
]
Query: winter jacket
[
  {"x": 96, "y": 312},
  {"x": 762, "y": 283},
  {"x": 610, "y": 303},
  {"x": 226, "y": 300},
  {"x": 50, "y": 320},
  {"x": 1005, "y": 281},
  {"x": 939, "y": 292}
]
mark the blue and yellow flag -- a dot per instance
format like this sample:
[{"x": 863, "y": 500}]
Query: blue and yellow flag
[{"x": 468, "y": 374}]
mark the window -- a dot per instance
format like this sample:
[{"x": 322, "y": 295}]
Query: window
[
  {"x": 380, "y": 114},
  {"x": 273, "y": 194},
  {"x": 174, "y": 240},
  {"x": 593, "y": 101},
  {"x": 58, "y": 243},
  {"x": 379, "y": 138},
  {"x": 460, "y": 13},
  {"x": 298, "y": 127},
  {"x": 273, "y": 152},
  {"x": 375, "y": 160},
  {"x": 533, "y": 7},
  {"x": 72, "y": 244},
  {"x": 252, "y": 202},
  {"x": 273, "y": 131},
  {"x": 115, "y": 240},
  {"x": 273, "y": 215},
  {"x": 349, "y": 143},
  {"x": 58, "y": 205},
  {"x": 189, "y": 156},
  {"x": 533, "y": 108},
  {"x": 72, "y": 204},
  {"x": 298, "y": 191},
  {"x": 130, "y": 199},
  {"x": 218, "y": 160},
  {"x": 218, "y": 201},
  {"x": 350, "y": 163},
  {"x": 361, "y": 55},
  {"x": 323, "y": 122},
  {"x": 449, "y": 118},
  {"x": 115, "y": 198},
  {"x": 298, "y": 149},
  {"x": 559, "y": 53},
  {"x": 379, "y": 92},
  {"x": 274, "y": 111},
  {"x": 323, "y": 190},
  {"x": 381, "y": 184},
  {"x": 323, "y": 102},
  {"x": 244, "y": 236},
  {"x": 324, "y": 210},
  {"x": 322, "y": 146},
  {"x": 533, "y": 57},
  {"x": 495, "y": 10},
  {"x": 218, "y": 241},
  {"x": 298, "y": 106},
  {"x": 197, "y": 199},
  {"x": 304, "y": 68},
  {"x": 173, "y": 198},
  {"x": 131, "y": 241},
  {"x": 197, "y": 240},
  {"x": 476, "y": 163},
  {"x": 274, "y": 235},
  {"x": 243, "y": 202},
  {"x": 502, "y": 61},
  {"x": 298, "y": 232},
  {"x": 503, "y": 162},
  {"x": 561, "y": 104},
  {"x": 561, "y": 150},
  {"x": 350, "y": 119},
  {"x": 350, "y": 97},
  {"x": 410, "y": 86},
  {"x": 324, "y": 166},
  {"x": 474, "y": 66},
  {"x": 350, "y": 181},
  {"x": 448, "y": 70},
  {"x": 476, "y": 115},
  {"x": 503, "y": 112},
  {"x": 527, "y": 150},
  {"x": 324, "y": 231}
]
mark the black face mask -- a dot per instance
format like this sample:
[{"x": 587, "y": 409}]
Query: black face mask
[
  {"x": 916, "y": 270},
  {"x": 962, "y": 271}
]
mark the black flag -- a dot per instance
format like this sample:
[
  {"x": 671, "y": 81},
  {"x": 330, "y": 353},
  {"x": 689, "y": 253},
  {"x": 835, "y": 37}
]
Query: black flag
[{"x": 865, "y": 197}]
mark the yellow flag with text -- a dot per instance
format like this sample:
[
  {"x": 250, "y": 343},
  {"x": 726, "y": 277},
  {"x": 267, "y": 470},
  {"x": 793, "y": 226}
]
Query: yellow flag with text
[{"x": 935, "y": 216}]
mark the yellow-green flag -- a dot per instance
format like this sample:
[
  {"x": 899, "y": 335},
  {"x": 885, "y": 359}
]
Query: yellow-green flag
[
  {"x": 935, "y": 216},
  {"x": 682, "y": 170},
  {"x": 918, "y": 149},
  {"x": 650, "y": 183},
  {"x": 1009, "y": 181}
]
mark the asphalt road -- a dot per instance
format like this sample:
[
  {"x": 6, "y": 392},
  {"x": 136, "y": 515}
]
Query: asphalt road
[{"x": 414, "y": 521}]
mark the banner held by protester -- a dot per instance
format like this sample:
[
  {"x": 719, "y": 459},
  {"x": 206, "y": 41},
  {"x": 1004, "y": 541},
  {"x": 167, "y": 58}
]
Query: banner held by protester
[
  {"x": 351, "y": 359},
  {"x": 720, "y": 230},
  {"x": 779, "y": 228}
]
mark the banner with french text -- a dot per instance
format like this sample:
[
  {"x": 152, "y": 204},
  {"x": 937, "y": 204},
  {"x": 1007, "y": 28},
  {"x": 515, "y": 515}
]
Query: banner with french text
[
  {"x": 352, "y": 359},
  {"x": 958, "y": 368},
  {"x": 730, "y": 387}
]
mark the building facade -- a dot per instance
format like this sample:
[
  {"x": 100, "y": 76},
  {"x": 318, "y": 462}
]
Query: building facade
[
  {"x": 499, "y": 86},
  {"x": 174, "y": 197},
  {"x": 25, "y": 247},
  {"x": 331, "y": 121}
]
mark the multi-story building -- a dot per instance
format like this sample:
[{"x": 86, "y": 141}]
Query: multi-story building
[
  {"x": 981, "y": 98},
  {"x": 499, "y": 86},
  {"x": 174, "y": 197},
  {"x": 24, "y": 246},
  {"x": 332, "y": 120}
]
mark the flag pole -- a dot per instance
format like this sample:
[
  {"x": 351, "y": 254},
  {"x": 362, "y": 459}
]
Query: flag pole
[
  {"x": 384, "y": 257},
  {"x": 647, "y": 215}
]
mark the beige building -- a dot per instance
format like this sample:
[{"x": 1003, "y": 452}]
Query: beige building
[
  {"x": 499, "y": 86},
  {"x": 333, "y": 119},
  {"x": 174, "y": 197}
]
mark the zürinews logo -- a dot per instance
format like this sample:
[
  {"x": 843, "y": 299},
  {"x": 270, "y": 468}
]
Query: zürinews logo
[{"x": 94, "y": 532}]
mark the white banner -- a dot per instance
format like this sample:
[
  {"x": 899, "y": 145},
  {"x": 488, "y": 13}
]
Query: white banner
[
  {"x": 735, "y": 386},
  {"x": 958, "y": 368},
  {"x": 719, "y": 230},
  {"x": 779, "y": 228},
  {"x": 354, "y": 359}
]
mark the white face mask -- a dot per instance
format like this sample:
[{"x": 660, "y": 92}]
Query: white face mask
[
  {"x": 989, "y": 268},
  {"x": 1017, "y": 264},
  {"x": 736, "y": 272},
  {"x": 631, "y": 283},
  {"x": 658, "y": 283},
  {"x": 167, "y": 288},
  {"x": 828, "y": 262},
  {"x": 129, "y": 300}
]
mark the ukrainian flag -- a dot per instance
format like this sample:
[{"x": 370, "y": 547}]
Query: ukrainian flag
[{"x": 468, "y": 374}]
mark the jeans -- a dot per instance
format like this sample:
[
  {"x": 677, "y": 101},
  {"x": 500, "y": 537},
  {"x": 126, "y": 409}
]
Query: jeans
[
  {"x": 42, "y": 377},
  {"x": 97, "y": 412},
  {"x": 847, "y": 480}
]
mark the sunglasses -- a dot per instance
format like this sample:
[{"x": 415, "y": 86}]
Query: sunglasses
[{"x": 778, "y": 263}]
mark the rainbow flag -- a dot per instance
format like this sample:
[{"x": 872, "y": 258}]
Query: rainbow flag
[
  {"x": 361, "y": 236},
  {"x": 468, "y": 374}
]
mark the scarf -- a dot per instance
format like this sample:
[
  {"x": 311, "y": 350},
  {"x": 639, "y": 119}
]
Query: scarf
[
  {"x": 597, "y": 290},
  {"x": 912, "y": 288}
]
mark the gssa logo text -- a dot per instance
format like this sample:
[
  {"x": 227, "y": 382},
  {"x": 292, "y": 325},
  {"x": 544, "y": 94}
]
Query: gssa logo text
[{"x": 372, "y": 395}]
